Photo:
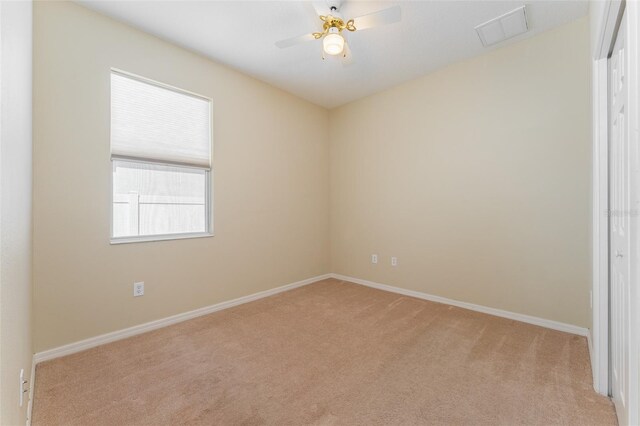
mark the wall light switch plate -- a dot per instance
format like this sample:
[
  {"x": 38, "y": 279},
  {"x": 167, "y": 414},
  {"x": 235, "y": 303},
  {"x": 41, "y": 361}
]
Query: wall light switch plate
[
  {"x": 394, "y": 261},
  {"x": 138, "y": 289},
  {"x": 374, "y": 258}
]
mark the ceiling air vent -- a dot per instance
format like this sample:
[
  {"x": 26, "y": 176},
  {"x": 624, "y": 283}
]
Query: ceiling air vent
[{"x": 503, "y": 27}]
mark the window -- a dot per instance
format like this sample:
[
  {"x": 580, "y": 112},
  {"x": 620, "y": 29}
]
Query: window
[{"x": 160, "y": 154}]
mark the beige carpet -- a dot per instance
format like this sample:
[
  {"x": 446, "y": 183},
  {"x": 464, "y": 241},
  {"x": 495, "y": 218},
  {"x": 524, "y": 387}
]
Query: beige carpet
[{"x": 328, "y": 353}]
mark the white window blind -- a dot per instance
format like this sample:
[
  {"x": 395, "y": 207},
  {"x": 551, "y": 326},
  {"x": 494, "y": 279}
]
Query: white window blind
[{"x": 156, "y": 123}]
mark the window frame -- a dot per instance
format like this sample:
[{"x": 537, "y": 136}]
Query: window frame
[{"x": 208, "y": 172}]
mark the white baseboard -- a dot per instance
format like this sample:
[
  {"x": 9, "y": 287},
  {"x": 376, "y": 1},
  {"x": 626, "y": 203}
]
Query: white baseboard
[
  {"x": 153, "y": 325},
  {"x": 554, "y": 325}
]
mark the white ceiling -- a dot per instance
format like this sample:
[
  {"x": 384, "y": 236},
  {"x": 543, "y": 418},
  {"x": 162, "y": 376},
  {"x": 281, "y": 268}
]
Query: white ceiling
[{"x": 241, "y": 34}]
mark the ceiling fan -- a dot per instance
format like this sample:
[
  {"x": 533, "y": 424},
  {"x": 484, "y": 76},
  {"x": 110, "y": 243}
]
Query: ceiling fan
[{"x": 333, "y": 38}]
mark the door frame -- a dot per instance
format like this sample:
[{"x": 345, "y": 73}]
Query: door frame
[{"x": 599, "y": 342}]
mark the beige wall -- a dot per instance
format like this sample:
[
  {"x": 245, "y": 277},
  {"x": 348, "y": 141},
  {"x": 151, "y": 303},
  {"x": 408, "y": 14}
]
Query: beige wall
[
  {"x": 271, "y": 184},
  {"x": 15, "y": 206},
  {"x": 477, "y": 177}
]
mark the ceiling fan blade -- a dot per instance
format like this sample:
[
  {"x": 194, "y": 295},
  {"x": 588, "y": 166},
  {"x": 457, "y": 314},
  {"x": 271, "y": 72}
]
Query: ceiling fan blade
[
  {"x": 294, "y": 40},
  {"x": 382, "y": 17},
  {"x": 321, "y": 8}
]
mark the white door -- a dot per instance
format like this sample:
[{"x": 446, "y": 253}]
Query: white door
[{"x": 619, "y": 225}]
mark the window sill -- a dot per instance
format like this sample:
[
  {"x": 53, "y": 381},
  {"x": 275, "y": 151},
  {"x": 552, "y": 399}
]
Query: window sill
[{"x": 168, "y": 237}]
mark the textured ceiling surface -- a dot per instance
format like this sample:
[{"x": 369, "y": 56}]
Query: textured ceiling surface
[{"x": 242, "y": 35}]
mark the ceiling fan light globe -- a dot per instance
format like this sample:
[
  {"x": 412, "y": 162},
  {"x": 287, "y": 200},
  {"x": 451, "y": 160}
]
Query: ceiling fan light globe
[{"x": 333, "y": 44}]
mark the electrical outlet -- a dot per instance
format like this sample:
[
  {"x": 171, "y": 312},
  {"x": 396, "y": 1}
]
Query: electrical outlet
[
  {"x": 374, "y": 258},
  {"x": 23, "y": 388},
  {"x": 138, "y": 289},
  {"x": 394, "y": 261}
]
